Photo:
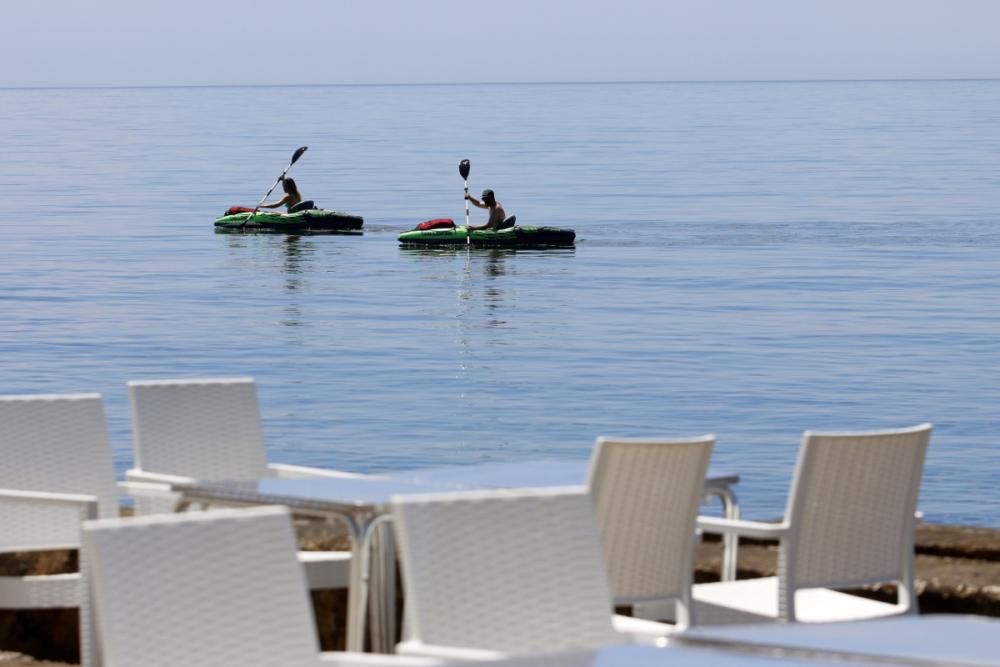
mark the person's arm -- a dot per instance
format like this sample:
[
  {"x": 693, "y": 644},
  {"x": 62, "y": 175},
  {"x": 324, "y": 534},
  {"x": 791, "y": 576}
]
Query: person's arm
[
  {"x": 490, "y": 224},
  {"x": 275, "y": 204},
  {"x": 476, "y": 202}
]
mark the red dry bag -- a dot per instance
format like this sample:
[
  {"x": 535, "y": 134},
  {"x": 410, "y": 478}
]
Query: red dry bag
[{"x": 440, "y": 223}]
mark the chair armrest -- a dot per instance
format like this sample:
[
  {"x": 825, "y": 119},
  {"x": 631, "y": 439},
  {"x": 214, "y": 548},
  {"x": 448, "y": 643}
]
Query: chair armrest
[
  {"x": 352, "y": 659},
  {"x": 136, "y": 475},
  {"x": 59, "y": 515},
  {"x": 758, "y": 529},
  {"x": 286, "y": 471},
  {"x": 415, "y": 648},
  {"x": 147, "y": 490},
  {"x": 641, "y": 631},
  {"x": 75, "y": 500}
]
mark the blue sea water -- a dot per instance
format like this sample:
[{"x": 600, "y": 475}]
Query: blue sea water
[{"x": 753, "y": 260}]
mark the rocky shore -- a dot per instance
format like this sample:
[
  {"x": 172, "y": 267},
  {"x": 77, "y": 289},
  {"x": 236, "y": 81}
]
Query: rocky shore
[{"x": 958, "y": 571}]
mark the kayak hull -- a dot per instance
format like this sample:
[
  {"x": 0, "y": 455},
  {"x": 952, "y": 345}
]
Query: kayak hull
[
  {"x": 513, "y": 237},
  {"x": 314, "y": 221}
]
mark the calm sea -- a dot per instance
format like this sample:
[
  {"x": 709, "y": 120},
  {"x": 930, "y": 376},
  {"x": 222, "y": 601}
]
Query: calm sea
[{"x": 753, "y": 260}]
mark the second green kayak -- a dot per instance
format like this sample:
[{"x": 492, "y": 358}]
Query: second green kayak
[{"x": 517, "y": 237}]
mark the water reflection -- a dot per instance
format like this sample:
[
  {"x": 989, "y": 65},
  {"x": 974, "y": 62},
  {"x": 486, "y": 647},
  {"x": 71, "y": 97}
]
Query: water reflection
[
  {"x": 296, "y": 253},
  {"x": 290, "y": 256},
  {"x": 490, "y": 268},
  {"x": 495, "y": 267}
]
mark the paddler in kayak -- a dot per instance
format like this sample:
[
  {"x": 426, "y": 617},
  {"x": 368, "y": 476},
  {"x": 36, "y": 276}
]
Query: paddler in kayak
[
  {"x": 291, "y": 198},
  {"x": 497, "y": 214}
]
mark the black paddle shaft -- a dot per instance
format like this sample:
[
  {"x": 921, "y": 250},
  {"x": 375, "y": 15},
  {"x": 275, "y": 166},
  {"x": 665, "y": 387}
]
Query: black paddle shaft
[{"x": 295, "y": 158}]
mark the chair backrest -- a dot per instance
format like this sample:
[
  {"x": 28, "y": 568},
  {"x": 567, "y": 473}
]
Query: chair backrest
[
  {"x": 646, "y": 494},
  {"x": 54, "y": 443},
  {"x": 851, "y": 508},
  {"x": 201, "y": 589},
  {"x": 509, "y": 570},
  {"x": 209, "y": 429}
]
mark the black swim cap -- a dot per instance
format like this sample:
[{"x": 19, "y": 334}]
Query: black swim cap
[{"x": 488, "y": 196}]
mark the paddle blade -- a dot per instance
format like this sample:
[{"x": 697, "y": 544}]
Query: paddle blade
[
  {"x": 463, "y": 169},
  {"x": 298, "y": 154}
]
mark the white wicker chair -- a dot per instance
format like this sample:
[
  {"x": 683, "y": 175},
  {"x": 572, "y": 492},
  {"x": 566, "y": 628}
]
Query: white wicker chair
[
  {"x": 849, "y": 522},
  {"x": 57, "y": 472},
  {"x": 490, "y": 573},
  {"x": 206, "y": 589},
  {"x": 210, "y": 430},
  {"x": 647, "y": 494}
]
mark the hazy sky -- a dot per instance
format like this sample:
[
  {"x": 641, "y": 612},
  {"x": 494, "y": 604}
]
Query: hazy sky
[{"x": 181, "y": 42}]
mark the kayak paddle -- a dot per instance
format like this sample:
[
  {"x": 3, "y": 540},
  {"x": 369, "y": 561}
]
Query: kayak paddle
[
  {"x": 463, "y": 169},
  {"x": 295, "y": 158}
]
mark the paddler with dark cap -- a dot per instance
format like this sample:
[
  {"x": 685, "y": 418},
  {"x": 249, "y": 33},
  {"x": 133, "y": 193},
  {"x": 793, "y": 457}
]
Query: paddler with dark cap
[{"x": 489, "y": 201}]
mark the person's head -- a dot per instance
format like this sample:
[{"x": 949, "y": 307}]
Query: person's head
[
  {"x": 289, "y": 185},
  {"x": 488, "y": 198}
]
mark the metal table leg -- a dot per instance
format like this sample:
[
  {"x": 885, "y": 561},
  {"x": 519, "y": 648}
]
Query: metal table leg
[
  {"x": 382, "y": 587},
  {"x": 369, "y": 577},
  {"x": 357, "y": 591},
  {"x": 730, "y": 541}
]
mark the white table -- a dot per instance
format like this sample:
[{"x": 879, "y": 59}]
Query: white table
[
  {"x": 929, "y": 641},
  {"x": 362, "y": 503},
  {"x": 531, "y": 474},
  {"x": 632, "y": 655},
  {"x": 357, "y": 502}
]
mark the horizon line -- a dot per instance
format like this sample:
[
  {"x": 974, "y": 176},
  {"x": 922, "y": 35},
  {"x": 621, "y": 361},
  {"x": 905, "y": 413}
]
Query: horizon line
[{"x": 491, "y": 83}]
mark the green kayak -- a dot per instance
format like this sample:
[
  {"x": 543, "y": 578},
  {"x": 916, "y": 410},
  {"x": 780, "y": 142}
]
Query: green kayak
[
  {"x": 513, "y": 237},
  {"x": 313, "y": 221}
]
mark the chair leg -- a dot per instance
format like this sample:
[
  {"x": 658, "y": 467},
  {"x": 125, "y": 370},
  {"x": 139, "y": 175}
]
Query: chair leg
[
  {"x": 730, "y": 541},
  {"x": 90, "y": 642}
]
